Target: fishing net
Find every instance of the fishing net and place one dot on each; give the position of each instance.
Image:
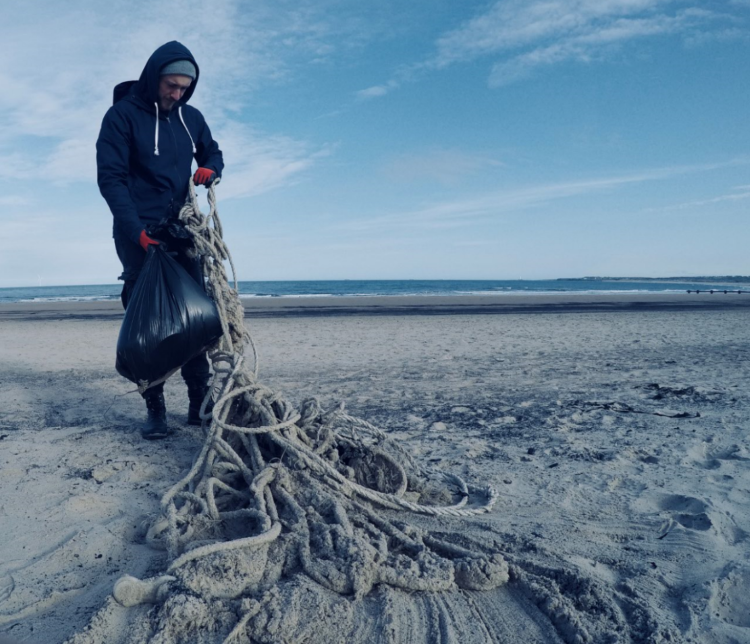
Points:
(286, 499)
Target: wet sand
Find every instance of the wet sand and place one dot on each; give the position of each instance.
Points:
(412, 305)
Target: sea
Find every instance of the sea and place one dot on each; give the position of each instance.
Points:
(358, 288)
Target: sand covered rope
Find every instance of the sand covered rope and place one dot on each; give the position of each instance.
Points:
(279, 492)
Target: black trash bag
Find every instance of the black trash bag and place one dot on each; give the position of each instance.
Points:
(169, 321)
(173, 232)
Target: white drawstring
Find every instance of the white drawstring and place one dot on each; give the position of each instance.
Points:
(179, 111)
(156, 134)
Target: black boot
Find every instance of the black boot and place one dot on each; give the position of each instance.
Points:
(156, 423)
(197, 390)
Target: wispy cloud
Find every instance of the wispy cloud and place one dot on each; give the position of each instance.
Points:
(260, 162)
(512, 25)
(55, 93)
(740, 193)
(520, 37)
(453, 214)
(14, 200)
(377, 90)
(446, 166)
(594, 41)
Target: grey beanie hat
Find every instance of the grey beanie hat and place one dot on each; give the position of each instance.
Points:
(182, 67)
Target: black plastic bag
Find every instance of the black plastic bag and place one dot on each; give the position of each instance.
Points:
(172, 231)
(169, 321)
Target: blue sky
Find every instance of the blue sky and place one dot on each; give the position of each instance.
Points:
(394, 140)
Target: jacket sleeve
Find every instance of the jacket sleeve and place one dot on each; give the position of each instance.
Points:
(207, 152)
(113, 167)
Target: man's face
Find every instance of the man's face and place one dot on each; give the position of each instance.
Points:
(171, 89)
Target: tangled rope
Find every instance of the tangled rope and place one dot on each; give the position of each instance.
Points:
(278, 490)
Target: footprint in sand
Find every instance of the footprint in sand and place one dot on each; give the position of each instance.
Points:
(689, 512)
(730, 600)
(694, 521)
(680, 503)
(711, 456)
(699, 516)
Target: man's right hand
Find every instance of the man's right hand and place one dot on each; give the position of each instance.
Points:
(145, 241)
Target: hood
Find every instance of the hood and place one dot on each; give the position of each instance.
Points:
(147, 86)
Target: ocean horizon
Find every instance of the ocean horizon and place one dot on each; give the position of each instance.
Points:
(411, 288)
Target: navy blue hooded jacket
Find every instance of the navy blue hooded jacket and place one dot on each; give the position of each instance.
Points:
(144, 155)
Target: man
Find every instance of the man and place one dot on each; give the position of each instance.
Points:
(144, 156)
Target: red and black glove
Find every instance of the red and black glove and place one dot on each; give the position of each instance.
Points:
(145, 241)
(204, 176)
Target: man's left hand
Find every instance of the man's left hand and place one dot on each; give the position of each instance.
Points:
(204, 176)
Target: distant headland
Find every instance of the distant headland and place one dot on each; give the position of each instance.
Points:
(701, 279)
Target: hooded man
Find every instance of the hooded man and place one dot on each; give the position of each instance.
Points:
(144, 156)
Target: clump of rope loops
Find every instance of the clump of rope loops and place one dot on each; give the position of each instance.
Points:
(277, 491)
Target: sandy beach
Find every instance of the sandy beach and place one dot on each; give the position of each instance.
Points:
(613, 427)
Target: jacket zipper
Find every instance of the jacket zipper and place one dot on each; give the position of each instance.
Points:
(176, 169)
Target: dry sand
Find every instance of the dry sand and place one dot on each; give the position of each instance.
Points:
(615, 430)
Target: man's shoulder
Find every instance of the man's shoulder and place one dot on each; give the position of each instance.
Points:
(193, 113)
(123, 110)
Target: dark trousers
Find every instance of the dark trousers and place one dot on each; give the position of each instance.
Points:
(195, 372)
